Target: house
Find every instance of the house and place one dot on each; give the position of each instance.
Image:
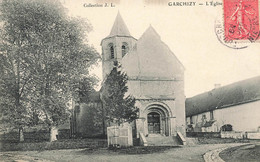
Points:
(234, 107)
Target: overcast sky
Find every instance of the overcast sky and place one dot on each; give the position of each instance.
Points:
(188, 31)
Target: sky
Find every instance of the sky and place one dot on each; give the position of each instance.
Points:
(189, 31)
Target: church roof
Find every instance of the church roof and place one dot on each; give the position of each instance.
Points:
(226, 96)
(151, 58)
(119, 28)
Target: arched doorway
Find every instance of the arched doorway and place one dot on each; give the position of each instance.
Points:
(226, 127)
(157, 119)
(153, 123)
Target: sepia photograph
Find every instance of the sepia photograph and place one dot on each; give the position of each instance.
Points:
(139, 80)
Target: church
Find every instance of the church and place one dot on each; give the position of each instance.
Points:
(155, 79)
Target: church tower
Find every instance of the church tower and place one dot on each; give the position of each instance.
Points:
(116, 45)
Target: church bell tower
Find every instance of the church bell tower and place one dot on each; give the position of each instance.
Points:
(116, 45)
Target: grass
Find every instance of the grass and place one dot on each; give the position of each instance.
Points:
(207, 140)
(241, 153)
(60, 144)
(128, 150)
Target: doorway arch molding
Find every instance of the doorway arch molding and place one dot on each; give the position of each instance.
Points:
(165, 114)
(158, 105)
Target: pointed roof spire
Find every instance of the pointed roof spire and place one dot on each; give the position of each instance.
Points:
(119, 28)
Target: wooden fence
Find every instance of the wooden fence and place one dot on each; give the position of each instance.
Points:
(119, 136)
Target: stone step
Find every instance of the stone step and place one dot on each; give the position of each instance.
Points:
(192, 141)
(159, 140)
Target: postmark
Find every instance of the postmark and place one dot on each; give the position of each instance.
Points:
(220, 33)
(241, 20)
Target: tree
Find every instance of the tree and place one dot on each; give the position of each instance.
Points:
(43, 58)
(86, 88)
(116, 104)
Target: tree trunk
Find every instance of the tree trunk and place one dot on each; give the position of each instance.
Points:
(103, 127)
(53, 133)
(17, 99)
(21, 135)
(103, 120)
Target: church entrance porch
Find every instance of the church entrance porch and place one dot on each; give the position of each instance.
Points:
(157, 120)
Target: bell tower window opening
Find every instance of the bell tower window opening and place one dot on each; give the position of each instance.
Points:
(112, 54)
(124, 49)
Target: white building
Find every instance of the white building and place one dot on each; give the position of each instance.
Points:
(233, 107)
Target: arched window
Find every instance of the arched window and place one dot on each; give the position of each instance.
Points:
(124, 49)
(111, 49)
(112, 52)
(226, 127)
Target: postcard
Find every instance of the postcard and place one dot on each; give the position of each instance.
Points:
(151, 80)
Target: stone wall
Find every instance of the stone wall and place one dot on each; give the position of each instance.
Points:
(29, 136)
(253, 135)
(243, 117)
(204, 134)
(233, 134)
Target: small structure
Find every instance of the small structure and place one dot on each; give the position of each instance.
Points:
(120, 136)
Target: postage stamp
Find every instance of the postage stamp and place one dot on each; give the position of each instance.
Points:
(241, 20)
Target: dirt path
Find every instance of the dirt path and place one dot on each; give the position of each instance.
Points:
(19, 157)
(181, 154)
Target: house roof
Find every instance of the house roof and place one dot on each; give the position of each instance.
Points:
(119, 28)
(151, 58)
(226, 96)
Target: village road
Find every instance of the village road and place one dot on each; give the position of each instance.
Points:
(181, 154)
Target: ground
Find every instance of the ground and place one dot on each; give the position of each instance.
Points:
(179, 154)
(244, 153)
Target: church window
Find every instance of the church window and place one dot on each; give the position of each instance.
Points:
(124, 49)
(111, 48)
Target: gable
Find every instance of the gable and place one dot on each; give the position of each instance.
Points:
(152, 59)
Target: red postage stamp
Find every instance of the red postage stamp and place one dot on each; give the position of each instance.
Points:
(241, 20)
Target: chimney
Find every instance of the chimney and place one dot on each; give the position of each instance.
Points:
(217, 86)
